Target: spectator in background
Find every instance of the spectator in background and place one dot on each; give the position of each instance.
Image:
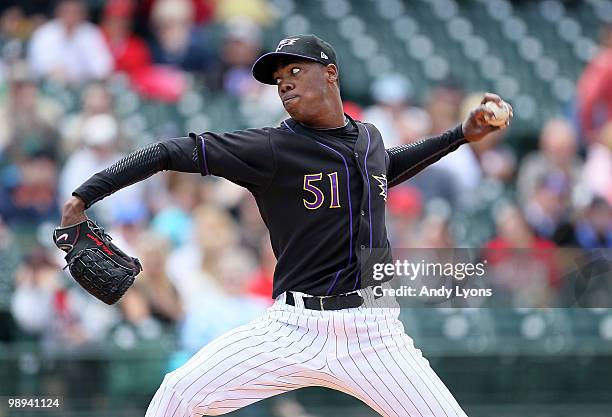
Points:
(239, 50)
(191, 266)
(548, 209)
(594, 227)
(36, 285)
(204, 10)
(129, 221)
(130, 53)
(519, 261)
(514, 232)
(14, 30)
(68, 49)
(27, 120)
(557, 155)
(39, 9)
(405, 206)
(259, 284)
(252, 228)
(177, 41)
(100, 137)
(399, 122)
(594, 92)
(498, 164)
(597, 173)
(95, 100)
(257, 10)
(445, 105)
(230, 306)
(434, 232)
(437, 184)
(152, 304)
(173, 207)
(28, 194)
(153, 284)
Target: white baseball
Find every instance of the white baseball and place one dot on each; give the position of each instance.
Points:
(501, 113)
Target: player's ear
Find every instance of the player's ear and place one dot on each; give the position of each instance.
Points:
(332, 73)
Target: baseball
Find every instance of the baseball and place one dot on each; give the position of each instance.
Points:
(501, 113)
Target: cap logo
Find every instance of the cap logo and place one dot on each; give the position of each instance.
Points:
(285, 42)
(323, 55)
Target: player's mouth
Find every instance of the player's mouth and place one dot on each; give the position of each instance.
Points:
(288, 99)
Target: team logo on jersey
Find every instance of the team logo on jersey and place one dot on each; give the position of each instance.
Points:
(382, 183)
(285, 42)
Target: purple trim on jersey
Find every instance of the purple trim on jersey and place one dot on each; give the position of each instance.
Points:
(329, 290)
(203, 145)
(287, 126)
(356, 280)
(365, 165)
(348, 190)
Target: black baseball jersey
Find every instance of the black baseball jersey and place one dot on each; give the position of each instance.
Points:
(320, 192)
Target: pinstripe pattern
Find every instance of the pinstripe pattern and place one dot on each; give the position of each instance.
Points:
(339, 369)
(363, 352)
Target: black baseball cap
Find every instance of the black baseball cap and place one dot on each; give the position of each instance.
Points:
(309, 47)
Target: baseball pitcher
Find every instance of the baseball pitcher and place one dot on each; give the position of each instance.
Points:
(320, 180)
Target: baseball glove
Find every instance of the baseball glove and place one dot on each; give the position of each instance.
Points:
(94, 262)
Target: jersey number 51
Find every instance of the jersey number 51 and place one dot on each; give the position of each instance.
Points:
(319, 197)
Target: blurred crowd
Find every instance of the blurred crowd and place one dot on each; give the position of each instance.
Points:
(206, 254)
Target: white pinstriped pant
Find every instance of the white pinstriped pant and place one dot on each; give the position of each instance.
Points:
(363, 352)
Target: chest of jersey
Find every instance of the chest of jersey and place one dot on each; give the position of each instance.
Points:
(323, 177)
(328, 193)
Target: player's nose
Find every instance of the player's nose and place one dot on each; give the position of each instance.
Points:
(285, 86)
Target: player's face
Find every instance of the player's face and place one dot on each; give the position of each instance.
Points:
(302, 87)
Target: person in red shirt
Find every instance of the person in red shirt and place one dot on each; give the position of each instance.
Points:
(260, 283)
(517, 248)
(595, 89)
(204, 10)
(131, 54)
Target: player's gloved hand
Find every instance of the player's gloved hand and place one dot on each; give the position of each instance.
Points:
(476, 126)
(99, 266)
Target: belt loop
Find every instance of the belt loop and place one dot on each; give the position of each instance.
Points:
(298, 298)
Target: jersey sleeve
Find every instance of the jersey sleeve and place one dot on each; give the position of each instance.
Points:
(406, 161)
(244, 157)
(178, 154)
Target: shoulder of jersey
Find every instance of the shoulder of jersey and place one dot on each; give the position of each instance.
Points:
(368, 124)
(283, 124)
